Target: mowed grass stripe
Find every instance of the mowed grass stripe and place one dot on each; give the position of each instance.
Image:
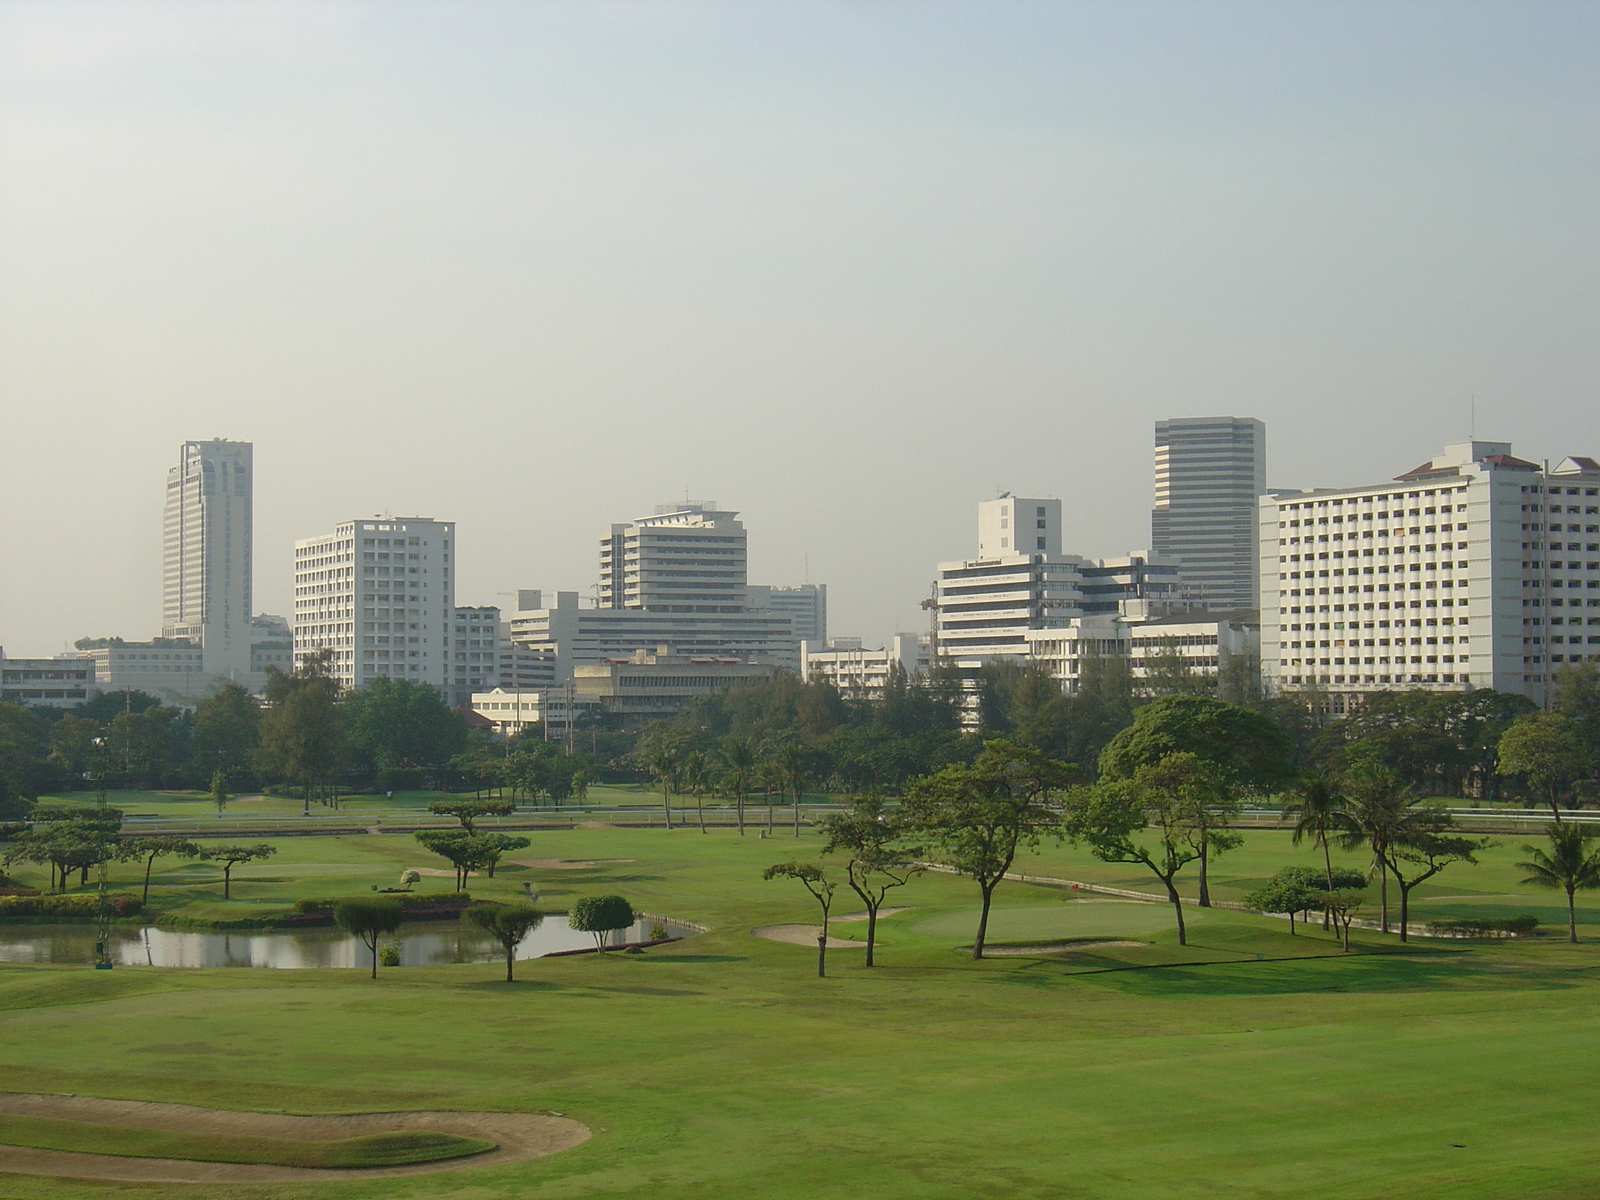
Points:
(402, 1147)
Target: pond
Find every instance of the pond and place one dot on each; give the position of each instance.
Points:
(425, 943)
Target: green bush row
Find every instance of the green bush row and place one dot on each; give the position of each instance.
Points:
(419, 900)
(1518, 926)
(80, 905)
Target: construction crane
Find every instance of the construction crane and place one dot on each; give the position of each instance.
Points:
(932, 605)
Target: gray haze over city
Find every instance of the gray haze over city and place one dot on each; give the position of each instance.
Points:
(847, 268)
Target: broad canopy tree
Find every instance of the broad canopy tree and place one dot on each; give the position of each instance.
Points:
(232, 856)
(508, 924)
(978, 817)
(1569, 865)
(871, 838)
(816, 881)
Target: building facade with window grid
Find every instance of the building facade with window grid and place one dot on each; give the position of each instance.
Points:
(1476, 569)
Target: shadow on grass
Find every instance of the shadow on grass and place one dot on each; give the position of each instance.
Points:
(1380, 972)
(517, 985)
(689, 958)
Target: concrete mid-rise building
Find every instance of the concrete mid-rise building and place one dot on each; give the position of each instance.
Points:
(1212, 646)
(379, 595)
(687, 558)
(1209, 472)
(171, 669)
(1477, 569)
(805, 604)
(649, 685)
(515, 710)
(64, 682)
(206, 550)
(474, 653)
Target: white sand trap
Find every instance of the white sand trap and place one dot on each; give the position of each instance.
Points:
(882, 912)
(440, 872)
(802, 935)
(566, 864)
(517, 1136)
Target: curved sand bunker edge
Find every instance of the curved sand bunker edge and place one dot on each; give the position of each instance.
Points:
(803, 935)
(516, 1135)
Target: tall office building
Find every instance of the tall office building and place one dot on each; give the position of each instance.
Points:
(379, 594)
(1475, 570)
(206, 548)
(1209, 471)
(805, 603)
(686, 558)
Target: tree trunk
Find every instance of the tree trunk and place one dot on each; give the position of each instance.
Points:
(1291, 924)
(666, 804)
(1572, 918)
(1383, 894)
(1405, 906)
(148, 863)
(872, 929)
(738, 803)
(983, 919)
(511, 957)
(227, 884)
(700, 803)
(1177, 908)
(1205, 890)
(769, 812)
(1327, 866)
(822, 951)
(1346, 926)
(798, 794)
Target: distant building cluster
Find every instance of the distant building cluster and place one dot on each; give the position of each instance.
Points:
(1476, 569)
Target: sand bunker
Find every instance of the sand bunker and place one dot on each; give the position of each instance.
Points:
(882, 912)
(516, 1135)
(565, 864)
(802, 935)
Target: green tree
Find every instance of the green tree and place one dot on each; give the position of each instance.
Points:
(232, 856)
(145, 748)
(456, 845)
(739, 762)
(1569, 865)
(980, 816)
(369, 920)
(600, 915)
(508, 924)
(665, 761)
(821, 888)
(1281, 895)
(303, 734)
(227, 732)
(1165, 798)
(1315, 803)
(1373, 815)
(1425, 848)
(219, 790)
(150, 848)
(695, 775)
(871, 837)
(1544, 748)
(402, 723)
(491, 847)
(72, 745)
(1247, 748)
(469, 811)
(1343, 904)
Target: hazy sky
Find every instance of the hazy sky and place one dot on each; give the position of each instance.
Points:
(845, 267)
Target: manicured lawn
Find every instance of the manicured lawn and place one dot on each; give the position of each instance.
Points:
(721, 1067)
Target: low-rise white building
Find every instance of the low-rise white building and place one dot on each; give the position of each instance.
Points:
(513, 710)
(859, 673)
(649, 685)
(64, 682)
(1207, 643)
(1475, 570)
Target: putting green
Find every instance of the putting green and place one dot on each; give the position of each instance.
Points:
(1067, 919)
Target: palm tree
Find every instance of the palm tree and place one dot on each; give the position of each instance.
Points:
(1373, 815)
(791, 759)
(665, 763)
(740, 759)
(694, 774)
(1569, 865)
(1316, 807)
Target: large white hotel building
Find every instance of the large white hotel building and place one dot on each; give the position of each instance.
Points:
(1475, 570)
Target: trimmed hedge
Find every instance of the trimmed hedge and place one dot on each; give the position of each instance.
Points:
(80, 906)
(411, 900)
(1486, 927)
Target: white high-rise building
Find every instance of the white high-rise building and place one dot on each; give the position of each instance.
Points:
(474, 646)
(1475, 570)
(687, 558)
(379, 594)
(1209, 471)
(206, 551)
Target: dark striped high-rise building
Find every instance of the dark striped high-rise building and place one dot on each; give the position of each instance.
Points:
(1209, 472)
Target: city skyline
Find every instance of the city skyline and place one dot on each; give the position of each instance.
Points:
(850, 269)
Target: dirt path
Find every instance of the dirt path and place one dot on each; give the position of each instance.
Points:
(802, 935)
(517, 1135)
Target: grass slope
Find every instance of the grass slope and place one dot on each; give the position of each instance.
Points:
(400, 1148)
(721, 1067)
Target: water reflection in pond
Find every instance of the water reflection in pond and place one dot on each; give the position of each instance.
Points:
(428, 943)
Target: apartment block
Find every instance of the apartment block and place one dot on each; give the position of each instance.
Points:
(1475, 569)
(47, 682)
(379, 594)
(859, 673)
